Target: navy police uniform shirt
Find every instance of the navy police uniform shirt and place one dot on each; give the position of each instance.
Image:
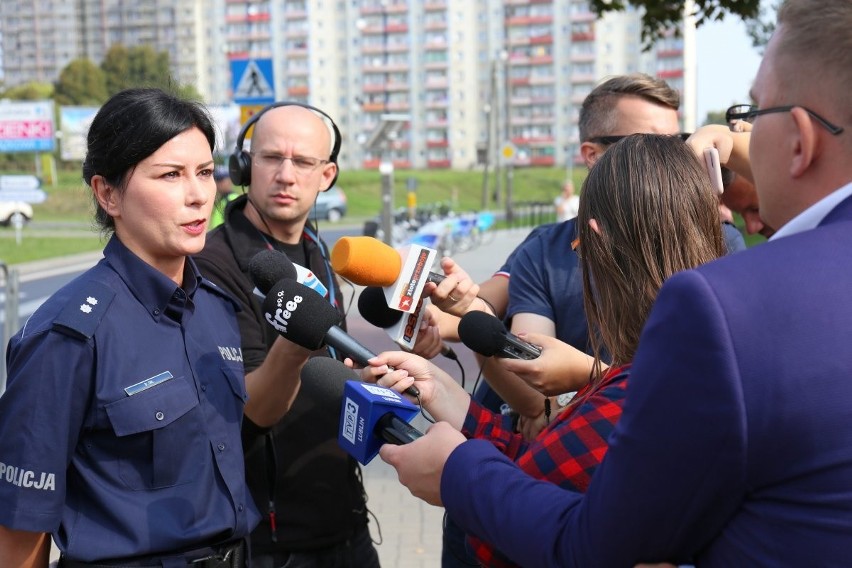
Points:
(121, 421)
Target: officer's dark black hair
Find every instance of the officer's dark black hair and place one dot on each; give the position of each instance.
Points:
(131, 126)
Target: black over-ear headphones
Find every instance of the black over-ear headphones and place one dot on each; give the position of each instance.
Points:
(239, 163)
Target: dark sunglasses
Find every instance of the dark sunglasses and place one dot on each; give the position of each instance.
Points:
(749, 112)
(613, 139)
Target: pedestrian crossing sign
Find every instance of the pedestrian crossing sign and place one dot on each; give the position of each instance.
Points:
(252, 81)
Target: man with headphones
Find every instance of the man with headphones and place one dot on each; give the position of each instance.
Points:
(310, 490)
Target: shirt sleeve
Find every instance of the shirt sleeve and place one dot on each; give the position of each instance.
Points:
(674, 473)
(528, 284)
(42, 412)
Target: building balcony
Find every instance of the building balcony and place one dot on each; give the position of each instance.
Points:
(439, 164)
(542, 39)
(582, 36)
(433, 5)
(528, 20)
(398, 106)
(436, 104)
(402, 164)
(584, 17)
(437, 143)
(437, 83)
(299, 91)
(373, 88)
(532, 140)
(670, 53)
(541, 60)
(373, 107)
(670, 74)
(372, 164)
(543, 161)
(436, 65)
(435, 26)
(582, 57)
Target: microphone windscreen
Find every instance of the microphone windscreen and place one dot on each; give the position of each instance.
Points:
(325, 379)
(482, 333)
(373, 307)
(268, 267)
(299, 314)
(366, 261)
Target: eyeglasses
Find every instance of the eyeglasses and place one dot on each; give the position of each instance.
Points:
(302, 164)
(749, 112)
(607, 140)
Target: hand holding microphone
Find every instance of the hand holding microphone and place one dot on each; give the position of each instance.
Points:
(486, 335)
(404, 329)
(303, 317)
(370, 416)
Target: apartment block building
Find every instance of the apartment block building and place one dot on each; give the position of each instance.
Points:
(419, 83)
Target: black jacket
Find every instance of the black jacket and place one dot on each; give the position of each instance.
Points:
(318, 495)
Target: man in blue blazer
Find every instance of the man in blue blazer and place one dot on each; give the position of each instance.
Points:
(735, 447)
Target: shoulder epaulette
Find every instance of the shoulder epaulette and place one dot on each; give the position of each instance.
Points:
(84, 311)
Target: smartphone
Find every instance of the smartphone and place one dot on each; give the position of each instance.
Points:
(714, 168)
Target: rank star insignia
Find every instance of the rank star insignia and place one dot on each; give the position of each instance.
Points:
(85, 308)
(92, 301)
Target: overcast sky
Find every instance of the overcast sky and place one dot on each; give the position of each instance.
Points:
(727, 64)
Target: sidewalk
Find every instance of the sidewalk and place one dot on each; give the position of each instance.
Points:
(409, 529)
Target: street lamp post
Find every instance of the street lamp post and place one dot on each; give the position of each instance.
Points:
(510, 170)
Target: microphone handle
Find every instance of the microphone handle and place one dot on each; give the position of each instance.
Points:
(515, 348)
(393, 430)
(348, 345)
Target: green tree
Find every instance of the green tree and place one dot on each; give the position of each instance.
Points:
(32, 91)
(116, 68)
(142, 66)
(761, 27)
(81, 83)
(660, 15)
(715, 117)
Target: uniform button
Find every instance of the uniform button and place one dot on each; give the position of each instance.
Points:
(221, 447)
(156, 312)
(159, 415)
(240, 508)
(204, 388)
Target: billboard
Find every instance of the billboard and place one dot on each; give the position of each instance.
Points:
(74, 125)
(26, 126)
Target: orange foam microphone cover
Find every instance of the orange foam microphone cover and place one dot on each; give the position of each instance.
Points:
(366, 261)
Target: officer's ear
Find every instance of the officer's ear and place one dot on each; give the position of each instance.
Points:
(106, 195)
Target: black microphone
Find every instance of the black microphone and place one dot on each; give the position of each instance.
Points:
(486, 335)
(370, 415)
(268, 267)
(300, 315)
(374, 308)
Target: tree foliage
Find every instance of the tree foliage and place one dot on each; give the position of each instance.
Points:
(81, 83)
(658, 16)
(32, 91)
(761, 27)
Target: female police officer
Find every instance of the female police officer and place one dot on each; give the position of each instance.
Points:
(120, 425)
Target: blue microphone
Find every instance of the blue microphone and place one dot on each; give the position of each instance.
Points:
(370, 415)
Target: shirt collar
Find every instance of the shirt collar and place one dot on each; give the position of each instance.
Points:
(149, 286)
(812, 216)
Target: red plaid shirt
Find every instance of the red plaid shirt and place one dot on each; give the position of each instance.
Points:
(566, 452)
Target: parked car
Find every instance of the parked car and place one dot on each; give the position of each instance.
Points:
(9, 208)
(330, 205)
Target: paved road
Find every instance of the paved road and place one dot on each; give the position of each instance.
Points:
(409, 529)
